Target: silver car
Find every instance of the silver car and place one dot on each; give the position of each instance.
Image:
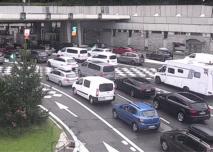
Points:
(132, 58)
(1, 58)
(62, 78)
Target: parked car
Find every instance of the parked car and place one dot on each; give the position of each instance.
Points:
(202, 131)
(162, 54)
(184, 105)
(92, 68)
(200, 57)
(60, 62)
(121, 50)
(139, 115)
(97, 51)
(135, 86)
(1, 58)
(132, 58)
(39, 56)
(183, 141)
(107, 57)
(62, 78)
(95, 89)
(79, 54)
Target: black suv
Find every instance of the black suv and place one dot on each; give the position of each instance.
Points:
(161, 55)
(184, 105)
(197, 139)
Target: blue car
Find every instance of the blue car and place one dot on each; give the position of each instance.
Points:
(140, 116)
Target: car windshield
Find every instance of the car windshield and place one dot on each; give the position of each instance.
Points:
(83, 51)
(108, 69)
(70, 60)
(106, 87)
(113, 57)
(148, 113)
(71, 75)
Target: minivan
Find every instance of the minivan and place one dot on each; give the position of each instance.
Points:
(97, 68)
(79, 54)
(95, 89)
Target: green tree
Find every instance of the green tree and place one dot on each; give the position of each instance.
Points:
(20, 95)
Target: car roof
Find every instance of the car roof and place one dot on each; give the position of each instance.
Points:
(65, 71)
(185, 98)
(106, 53)
(76, 48)
(142, 106)
(100, 63)
(98, 79)
(203, 128)
(65, 57)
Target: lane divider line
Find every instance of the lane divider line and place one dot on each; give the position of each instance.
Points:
(124, 142)
(132, 149)
(79, 145)
(166, 121)
(100, 118)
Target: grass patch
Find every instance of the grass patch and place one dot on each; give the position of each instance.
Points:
(41, 138)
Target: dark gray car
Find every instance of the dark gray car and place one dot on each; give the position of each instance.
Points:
(133, 58)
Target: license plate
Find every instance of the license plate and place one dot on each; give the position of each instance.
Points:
(203, 113)
(151, 127)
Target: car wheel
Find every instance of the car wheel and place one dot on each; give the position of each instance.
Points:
(91, 100)
(186, 89)
(157, 80)
(115, 114)
(134, 127)
(47, 78)
(60, 84)
(180, 116)
(74, 91)
(156, 104)
(132, 93)
(132, 62)
(164, 146)
(48, 64)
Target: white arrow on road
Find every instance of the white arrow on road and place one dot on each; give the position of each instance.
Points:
(61, 106)
(110, 148)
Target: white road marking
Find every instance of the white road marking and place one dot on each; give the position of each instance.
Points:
(47, 97)
(79, 146)
(57, 95)
(52, 92)
(109, 148)
(124, 142)
(63, 107)
(165, 120)
(125, 98)
(103, 120)
(132, 149)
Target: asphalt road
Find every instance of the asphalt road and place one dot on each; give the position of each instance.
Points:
(95, 126)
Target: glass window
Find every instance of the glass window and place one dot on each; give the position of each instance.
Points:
(128, 81)
(113, 57)
(108, 69)
(94, 67)
(163, 69)
(176, 99)
(105, 87)
(87, 83)
(63, 50)
(97, 50)
(149, 113)
(61, 74)
(132, 110)
(80, 81)
(61, 60)
(71, 75)
(180, 71)
(84, 64)
(72, 51)
(197, 74)
(70, 60)
(171, 70)
(190, 75)
(192, 56)
(83, 52)
(100, 56)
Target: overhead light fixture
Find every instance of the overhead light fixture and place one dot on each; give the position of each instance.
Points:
(156, 14)
(202, 15)
(178, 15)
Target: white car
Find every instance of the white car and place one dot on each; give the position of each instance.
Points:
(97, 51)
(108, 57)
(95, 89)
(79, 54)
(61, 62)
(62, 78)
(200, 57)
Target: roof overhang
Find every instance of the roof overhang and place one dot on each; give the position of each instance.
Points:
(58, 17)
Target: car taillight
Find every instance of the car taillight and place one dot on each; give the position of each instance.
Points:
(193, 112)
(97, 92)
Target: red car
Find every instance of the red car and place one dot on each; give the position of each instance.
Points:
(121, 50)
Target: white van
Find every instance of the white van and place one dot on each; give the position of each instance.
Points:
(200, 57)
(106, 57)
(191, 76)
(95, 89)
(80, 54)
